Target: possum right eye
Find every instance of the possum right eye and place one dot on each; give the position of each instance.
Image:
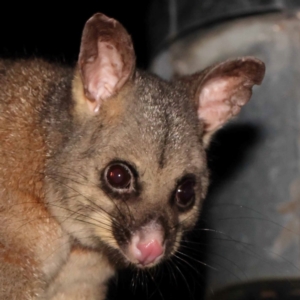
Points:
(119, 177)
(185, 193)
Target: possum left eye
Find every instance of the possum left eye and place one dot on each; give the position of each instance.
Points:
(185, 193)
(119, 176)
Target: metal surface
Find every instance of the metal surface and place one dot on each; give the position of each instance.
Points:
(262, 290)
(170, 19)
(254, 204)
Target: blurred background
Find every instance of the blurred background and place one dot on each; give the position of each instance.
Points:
(246, 244)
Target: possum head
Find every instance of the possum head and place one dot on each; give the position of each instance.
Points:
(133, 175)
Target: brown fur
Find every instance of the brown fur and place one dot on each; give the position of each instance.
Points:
(28, 233)
(63, 231)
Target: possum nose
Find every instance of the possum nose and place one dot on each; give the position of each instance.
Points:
(149, 251)
(146, 246)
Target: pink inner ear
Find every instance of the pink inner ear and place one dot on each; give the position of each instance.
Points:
(102, 74)
(219, 100)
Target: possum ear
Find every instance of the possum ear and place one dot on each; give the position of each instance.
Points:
(106, 59)
(220, 91)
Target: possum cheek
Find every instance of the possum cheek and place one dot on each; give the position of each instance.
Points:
(103, 228)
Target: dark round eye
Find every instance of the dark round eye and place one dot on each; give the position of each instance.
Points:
(119, 176)
(185, 193)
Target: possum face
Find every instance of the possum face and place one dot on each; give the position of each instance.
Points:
(133, 175)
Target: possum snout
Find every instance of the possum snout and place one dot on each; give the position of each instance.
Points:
(146, 246)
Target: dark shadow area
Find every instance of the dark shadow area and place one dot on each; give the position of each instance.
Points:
(228, 153)
(53, 32)
(230, 149)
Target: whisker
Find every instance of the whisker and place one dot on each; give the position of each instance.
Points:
(89, 181)
(198, 261)
(221, 256)
(90, 201)
(253, 253)
(184, 279)
(157, 287)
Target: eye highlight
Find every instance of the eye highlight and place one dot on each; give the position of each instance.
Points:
(119, 177)
(185, 193)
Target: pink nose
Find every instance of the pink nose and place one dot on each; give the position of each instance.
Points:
(149, 251)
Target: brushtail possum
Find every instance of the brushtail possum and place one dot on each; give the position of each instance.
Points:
(103, 165)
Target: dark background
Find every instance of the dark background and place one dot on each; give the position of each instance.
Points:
(53, 31)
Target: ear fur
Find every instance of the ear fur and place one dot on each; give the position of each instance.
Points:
(106, 59)
(220, 91)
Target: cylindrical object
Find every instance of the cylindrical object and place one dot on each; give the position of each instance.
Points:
(173, 20)
(254, 203)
